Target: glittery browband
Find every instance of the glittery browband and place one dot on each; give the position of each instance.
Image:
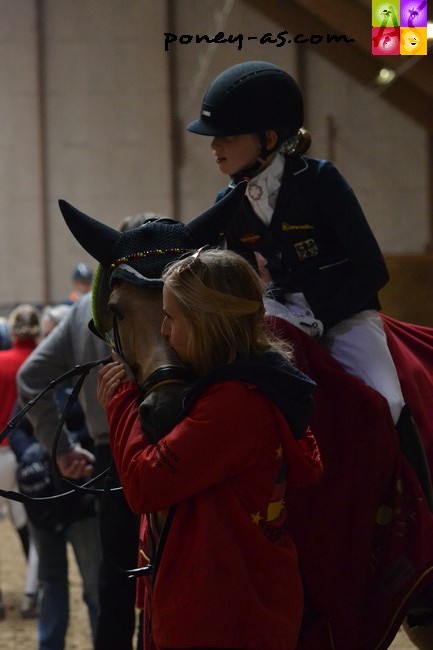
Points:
(156, 251)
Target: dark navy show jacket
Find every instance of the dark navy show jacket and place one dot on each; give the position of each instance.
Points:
(318, 241)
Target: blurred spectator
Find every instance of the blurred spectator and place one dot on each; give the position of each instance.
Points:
(24, 331)
(5, 339)
(51, 316)
(81, 279)
(55, 524)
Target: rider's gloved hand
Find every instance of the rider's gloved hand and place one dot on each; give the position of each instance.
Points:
(308, 324)
(303, 321)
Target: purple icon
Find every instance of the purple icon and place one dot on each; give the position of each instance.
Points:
(413, 13)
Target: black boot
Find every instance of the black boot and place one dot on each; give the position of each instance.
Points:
(413, 450)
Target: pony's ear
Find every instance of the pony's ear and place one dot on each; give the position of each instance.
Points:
(95, 237)
(208, 227)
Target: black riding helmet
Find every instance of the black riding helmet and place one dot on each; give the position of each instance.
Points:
(250, 97)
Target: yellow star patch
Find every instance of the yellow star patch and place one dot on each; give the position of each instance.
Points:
(257, 517)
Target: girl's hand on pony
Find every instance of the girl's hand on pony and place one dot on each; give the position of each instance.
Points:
(110, 376)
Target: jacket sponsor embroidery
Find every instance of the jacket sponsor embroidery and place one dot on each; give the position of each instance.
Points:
(285, 227)
(249, 238)
(307, 248)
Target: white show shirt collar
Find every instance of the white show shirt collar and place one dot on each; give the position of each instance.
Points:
(262, 190)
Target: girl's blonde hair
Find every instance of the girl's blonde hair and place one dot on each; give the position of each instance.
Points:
(221, 297)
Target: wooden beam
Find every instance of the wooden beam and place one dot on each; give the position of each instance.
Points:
(352, 58)
(341, 15)
(429, 248)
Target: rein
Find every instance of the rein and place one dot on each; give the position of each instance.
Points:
(162, 376)
(81, 370)
(167, 374)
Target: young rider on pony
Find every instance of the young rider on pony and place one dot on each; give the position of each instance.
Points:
(301, 221)
(302, 226)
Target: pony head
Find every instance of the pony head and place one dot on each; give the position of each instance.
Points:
(139, 256)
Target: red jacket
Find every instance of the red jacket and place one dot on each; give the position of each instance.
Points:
(10, 361)
(228, 574)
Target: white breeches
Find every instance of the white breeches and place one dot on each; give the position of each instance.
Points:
(358, 344)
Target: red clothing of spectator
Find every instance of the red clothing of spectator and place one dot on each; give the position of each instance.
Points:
(10, 361)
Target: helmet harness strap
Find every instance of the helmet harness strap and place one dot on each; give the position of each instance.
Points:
(248, 173)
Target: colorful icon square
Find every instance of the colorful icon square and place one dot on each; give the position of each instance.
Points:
(413, 41)
(413, 14)
(385, 14)
(385, 41)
